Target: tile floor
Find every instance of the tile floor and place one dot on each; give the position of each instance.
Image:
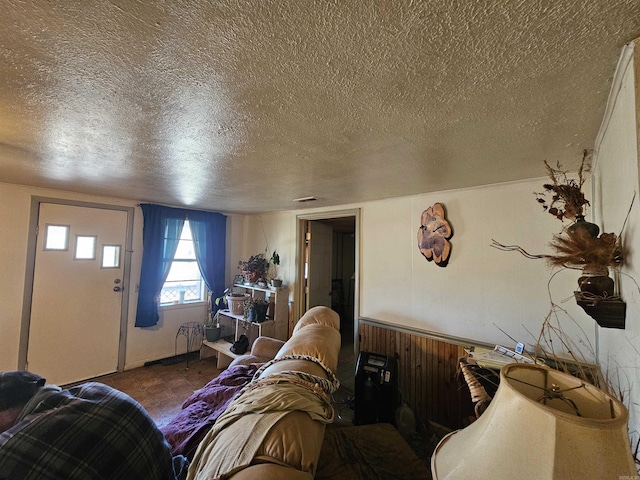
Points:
(162, 388)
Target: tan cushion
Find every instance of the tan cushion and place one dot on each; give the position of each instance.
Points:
(321, 315)
(270, 471)
(315, 340)
(266, 347)
(263, 350)
(295, 440)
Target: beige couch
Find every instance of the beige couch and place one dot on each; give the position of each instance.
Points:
(275, 428)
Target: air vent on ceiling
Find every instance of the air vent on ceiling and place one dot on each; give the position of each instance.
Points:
(305, 199)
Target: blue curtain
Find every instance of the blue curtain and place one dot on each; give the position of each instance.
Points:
(209, 232)
(160, 236)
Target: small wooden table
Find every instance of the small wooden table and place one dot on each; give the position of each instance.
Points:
(221, 349)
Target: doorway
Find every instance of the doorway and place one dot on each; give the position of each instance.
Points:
(328, 249)
(76, 291)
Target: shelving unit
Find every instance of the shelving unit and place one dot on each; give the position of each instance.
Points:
(278, 310)
(276, 325)
(221, 349)
(235, 325)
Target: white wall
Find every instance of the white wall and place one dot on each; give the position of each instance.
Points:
(482, 290)
(264, 234)
(616, 174)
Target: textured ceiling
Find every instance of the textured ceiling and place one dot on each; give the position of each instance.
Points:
(242, 106)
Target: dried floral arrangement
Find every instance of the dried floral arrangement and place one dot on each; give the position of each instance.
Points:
(567, 199)
(577, 249)
(574, 247)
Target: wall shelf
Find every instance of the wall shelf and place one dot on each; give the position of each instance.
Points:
(608, 313)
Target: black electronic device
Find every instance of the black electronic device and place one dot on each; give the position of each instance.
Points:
(376, 389)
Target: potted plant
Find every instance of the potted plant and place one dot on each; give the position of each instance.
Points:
(255, 309)
(236, 301)
(212, 328)
(255, 268)
(275, 261)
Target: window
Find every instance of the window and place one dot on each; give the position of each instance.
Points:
(161, 233)
(85, 247)
(111, 256)
(184, 283)
(56, 237)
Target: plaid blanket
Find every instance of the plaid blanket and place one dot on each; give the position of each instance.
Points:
(88, 432)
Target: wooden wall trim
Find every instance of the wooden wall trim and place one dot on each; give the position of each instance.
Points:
(466, 342)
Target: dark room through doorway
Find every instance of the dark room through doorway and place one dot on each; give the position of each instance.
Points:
(338, 280)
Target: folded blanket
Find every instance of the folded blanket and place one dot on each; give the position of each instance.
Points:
(200, 411)
(89, 431)
(253, 413)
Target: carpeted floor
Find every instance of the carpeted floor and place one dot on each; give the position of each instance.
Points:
(370, 452)
(397, 453)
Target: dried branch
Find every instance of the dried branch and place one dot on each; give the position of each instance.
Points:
(515, 248)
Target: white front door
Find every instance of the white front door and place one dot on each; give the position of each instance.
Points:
(74, 328)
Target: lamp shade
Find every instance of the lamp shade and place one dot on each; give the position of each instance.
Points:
(541, 424)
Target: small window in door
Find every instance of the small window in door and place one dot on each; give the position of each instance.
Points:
(56, 237)
(85, 247)
(111, 256)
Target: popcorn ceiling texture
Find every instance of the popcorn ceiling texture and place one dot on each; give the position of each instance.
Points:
(243, 106)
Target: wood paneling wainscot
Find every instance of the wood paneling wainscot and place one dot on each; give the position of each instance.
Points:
(427, 366)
